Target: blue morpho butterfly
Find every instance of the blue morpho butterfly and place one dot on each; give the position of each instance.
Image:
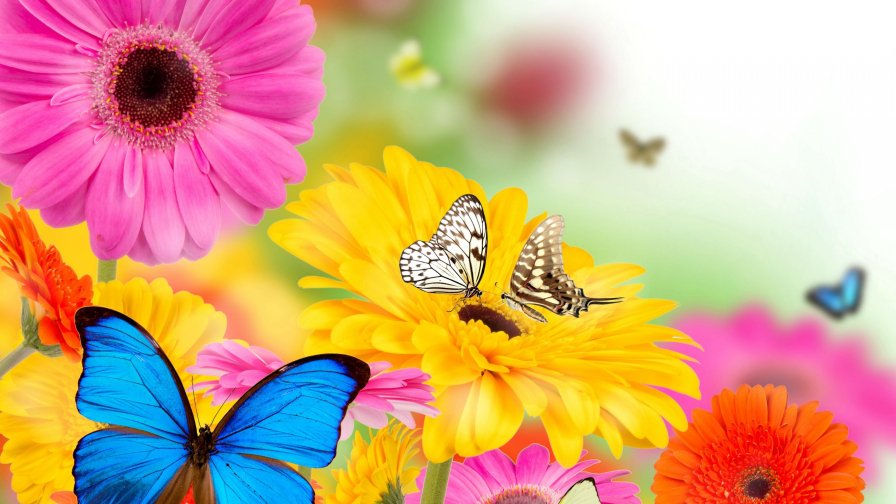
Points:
(839, 300)
(152, 452)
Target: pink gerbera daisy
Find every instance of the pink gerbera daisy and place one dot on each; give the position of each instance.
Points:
(239, 367)
(155, 121)
(752, 348)
(493, 478)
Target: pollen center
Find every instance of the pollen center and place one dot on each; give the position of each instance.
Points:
(494, 319)
(155, 87)
(520, 495)
(757, 484)
(758, 488)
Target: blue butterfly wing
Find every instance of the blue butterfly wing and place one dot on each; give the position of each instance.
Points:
(239, 479)
(122, 466)
(842, 299)
(127, 380)
(851, 288)
(294, 413)
(829, 300)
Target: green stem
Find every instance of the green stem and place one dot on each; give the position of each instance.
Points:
(436, 482)
(106, 270)
(13, 358)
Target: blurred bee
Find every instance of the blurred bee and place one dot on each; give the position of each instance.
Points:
(638, 152)
(409, 69)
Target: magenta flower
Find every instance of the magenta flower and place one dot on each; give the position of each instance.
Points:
(398, 393)
(238, 367)
(155, 121)
(752, 348)
(493, 477)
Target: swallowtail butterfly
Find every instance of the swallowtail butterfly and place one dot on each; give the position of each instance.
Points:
(452, 261)
(539, 279)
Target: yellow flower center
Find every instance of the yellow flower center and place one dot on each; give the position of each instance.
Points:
(521, 495)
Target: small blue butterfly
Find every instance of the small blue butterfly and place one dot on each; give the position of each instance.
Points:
(839, 300)
(152, 452)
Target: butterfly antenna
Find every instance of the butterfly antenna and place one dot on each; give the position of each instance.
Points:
(221, 407)
(195, 405)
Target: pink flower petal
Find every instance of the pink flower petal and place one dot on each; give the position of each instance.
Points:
(113, 217)
(28, 125)
(249, 158)
(267, 44)
(22, 87)
(65, 213)
(222, 19)
(85, 14)
(61, 168)
(236, 205)
(274, 95)
(496, 469)
(41, 10)
(41, 54)
(197, 199)
(163, 225)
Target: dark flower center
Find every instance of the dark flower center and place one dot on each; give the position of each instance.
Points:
(491, 318)
(758, 483)
(155, 87)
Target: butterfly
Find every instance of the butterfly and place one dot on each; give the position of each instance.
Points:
(583, 492)
(839, 300)
(539, 279)
(639, 152)
(408, 67)
(453, 260)
(151, 450)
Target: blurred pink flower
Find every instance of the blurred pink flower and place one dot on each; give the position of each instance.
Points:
(752, 348)
(398, 393)
(494, 477)
(155, 121)
(238, 367)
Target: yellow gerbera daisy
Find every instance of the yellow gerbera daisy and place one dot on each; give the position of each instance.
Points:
(377, 470)
(489, 364)
(37, 398)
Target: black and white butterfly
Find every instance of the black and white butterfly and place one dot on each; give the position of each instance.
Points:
(539, 279)
(641, 152)
(453, 260)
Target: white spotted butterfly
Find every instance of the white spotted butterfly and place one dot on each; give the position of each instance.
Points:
(452, 261)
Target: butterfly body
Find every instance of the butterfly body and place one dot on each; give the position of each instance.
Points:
(641, 152)
(839, 300)
(539, 278)
(153, 452)
(453, 260)
(583, 492)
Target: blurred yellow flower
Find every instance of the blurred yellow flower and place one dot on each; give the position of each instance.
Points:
(37, 398)
(377, 470)
(489, 364)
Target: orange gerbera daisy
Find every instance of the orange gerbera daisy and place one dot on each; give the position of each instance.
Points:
(754, 448)
(52, 288)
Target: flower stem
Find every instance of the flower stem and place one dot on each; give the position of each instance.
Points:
(436, 482)
(16, 356)
(106, 270)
